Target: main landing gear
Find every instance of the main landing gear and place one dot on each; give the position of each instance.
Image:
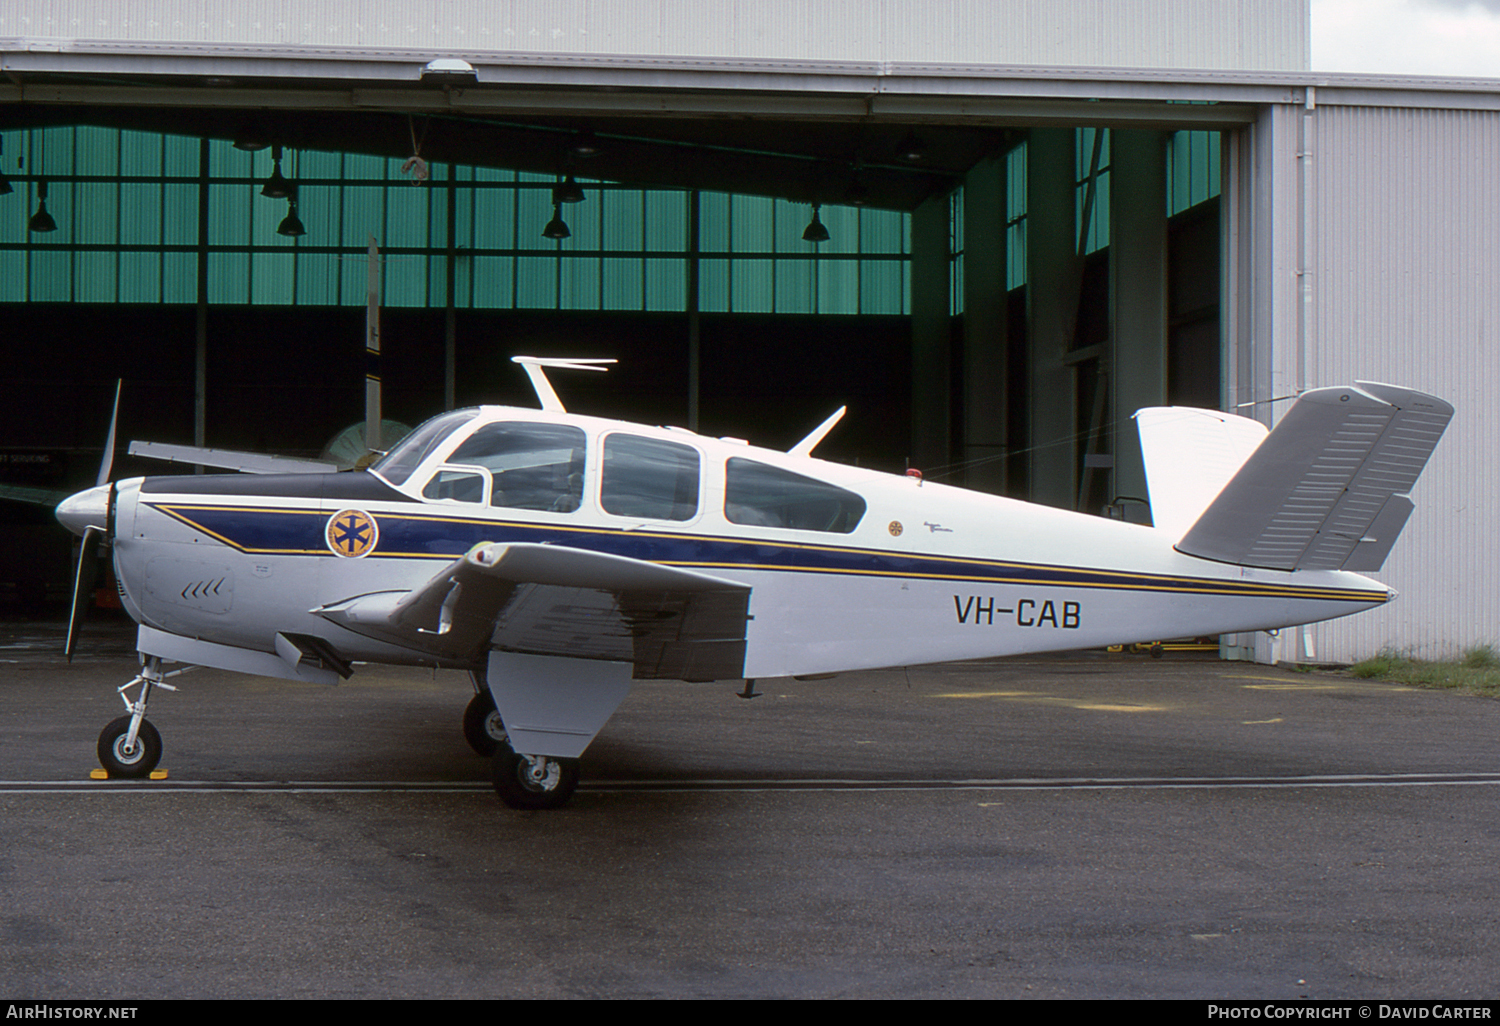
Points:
(521, 781)
(129, 746)
(533, 781)
(483, 728)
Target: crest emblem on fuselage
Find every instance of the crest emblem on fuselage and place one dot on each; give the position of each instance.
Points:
(352, 533)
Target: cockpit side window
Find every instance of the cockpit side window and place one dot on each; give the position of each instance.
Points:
(759, 495)
(456, 484)
(397, 465)
(649, 478)
(534, 466)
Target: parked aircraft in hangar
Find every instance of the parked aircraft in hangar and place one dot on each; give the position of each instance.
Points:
(558, 557)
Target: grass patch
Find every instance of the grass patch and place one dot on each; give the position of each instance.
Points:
(1476, 673)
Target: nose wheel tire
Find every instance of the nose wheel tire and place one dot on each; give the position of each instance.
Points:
(533, 781)
(131, 763)
(483, 728)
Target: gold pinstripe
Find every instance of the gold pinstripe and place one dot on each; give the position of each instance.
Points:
(1124, 580)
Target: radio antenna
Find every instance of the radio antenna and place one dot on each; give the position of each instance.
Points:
(544, 392)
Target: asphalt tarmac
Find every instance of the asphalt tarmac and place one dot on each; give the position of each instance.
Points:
(1091, 826)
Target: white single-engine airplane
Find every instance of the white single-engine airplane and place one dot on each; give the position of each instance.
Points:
(557, 557)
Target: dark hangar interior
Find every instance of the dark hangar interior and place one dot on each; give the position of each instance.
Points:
(755, 250)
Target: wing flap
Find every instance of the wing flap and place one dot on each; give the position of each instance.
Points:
(1318, 493)
(555, 600)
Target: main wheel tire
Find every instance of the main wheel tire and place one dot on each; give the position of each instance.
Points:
(533, 781)
(483, 728)
(136, 763)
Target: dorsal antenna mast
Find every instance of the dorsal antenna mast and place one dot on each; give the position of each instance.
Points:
(538, 376)
(805, 447)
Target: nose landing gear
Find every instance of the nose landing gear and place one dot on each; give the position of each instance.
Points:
(129, 746)
(122, 755)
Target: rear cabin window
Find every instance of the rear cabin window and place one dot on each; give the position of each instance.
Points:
(649, 478)
(763, 496)
(532, 466)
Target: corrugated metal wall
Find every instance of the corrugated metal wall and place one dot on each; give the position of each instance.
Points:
(1401, 220)
(1225, 34)
(1405, 210)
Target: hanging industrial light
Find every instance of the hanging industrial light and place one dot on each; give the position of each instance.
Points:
(556, 228)
(815, 232)
(291, 225)
(41, 221)
(567, 191)
(276, 187)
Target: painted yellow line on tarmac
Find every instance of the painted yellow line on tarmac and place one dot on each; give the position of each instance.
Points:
(995, 694)
(1296, 687)
(1101, 707)
(1072, 703)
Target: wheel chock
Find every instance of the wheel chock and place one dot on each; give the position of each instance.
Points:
(99, 773)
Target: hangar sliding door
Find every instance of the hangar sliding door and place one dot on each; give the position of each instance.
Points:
(1361, 243)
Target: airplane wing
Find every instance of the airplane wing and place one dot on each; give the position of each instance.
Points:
(345, 450)
(33, 495)
(229, 459)
(1327, 488)
(559, 601)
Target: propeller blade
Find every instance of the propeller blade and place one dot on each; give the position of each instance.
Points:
(107, 463)
(372, 350)
(84, 575)
(95, 539)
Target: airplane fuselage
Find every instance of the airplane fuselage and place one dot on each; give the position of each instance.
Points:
(848, 568)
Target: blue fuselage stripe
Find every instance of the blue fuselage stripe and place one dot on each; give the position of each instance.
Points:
(261, 530)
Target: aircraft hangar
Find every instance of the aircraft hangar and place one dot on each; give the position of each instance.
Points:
(994, 228)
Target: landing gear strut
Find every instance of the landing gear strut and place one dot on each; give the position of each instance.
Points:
(129, 746)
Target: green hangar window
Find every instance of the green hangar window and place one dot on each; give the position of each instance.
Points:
(141, 215)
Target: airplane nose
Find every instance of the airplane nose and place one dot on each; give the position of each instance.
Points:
(89, 508)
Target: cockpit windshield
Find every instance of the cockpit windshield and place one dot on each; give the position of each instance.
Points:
(397, 465)
(534, 466)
